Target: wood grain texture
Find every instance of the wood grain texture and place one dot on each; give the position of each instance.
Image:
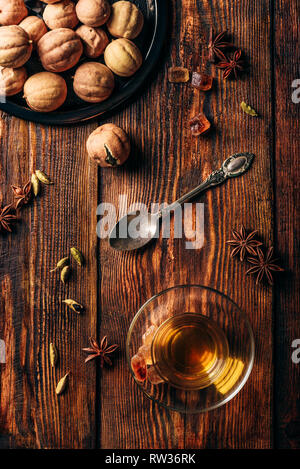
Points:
(168, 162)
(31, 310)
(104, 408)
(287, 190)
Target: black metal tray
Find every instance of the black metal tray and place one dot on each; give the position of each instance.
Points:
(74, 110)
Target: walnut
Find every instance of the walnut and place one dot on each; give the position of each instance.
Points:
(15, 46)
(108, 145)
(34, 27)
(93, 82)
(59, 49)
(94, 40)
(126, 20)
(93, 12)
(12, 12)
(60, 15)
(123, 57)
(45, 91)
(12, 80)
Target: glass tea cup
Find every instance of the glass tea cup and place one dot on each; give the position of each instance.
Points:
(184, 373)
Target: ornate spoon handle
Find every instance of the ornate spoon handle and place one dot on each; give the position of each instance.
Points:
(234, 166)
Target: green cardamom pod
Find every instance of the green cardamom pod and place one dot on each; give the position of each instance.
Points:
(61, 263)
(62, 384)
(78, 308)
(65, 273)
(42, 177)
(35, 184)
(53, 355)
(78, 256)
(248, 109)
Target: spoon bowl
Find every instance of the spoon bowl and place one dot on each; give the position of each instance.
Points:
(134, 230)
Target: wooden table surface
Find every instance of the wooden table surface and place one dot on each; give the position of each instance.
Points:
(105, 409)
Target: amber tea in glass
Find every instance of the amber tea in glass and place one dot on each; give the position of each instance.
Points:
(189, 351)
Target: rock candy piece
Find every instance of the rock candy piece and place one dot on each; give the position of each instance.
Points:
(139, 367)
(201, 81)
(199, 125)
(178, 75)
(145, 352)
(153, 376)
(149, 334)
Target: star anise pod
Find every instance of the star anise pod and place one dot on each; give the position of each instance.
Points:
(231, 64)
(244, 243)
(264, 265)
(216, 44)
(22, 194)
(101, 351)
(7, 218)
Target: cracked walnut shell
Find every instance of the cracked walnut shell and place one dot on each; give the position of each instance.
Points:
(94, 40)
(12, 80)
(108, 145)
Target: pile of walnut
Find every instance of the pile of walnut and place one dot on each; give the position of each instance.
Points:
(60, 47)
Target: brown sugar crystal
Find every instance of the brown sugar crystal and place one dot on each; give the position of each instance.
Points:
(201, 81)
(199, 125)
(178, 75)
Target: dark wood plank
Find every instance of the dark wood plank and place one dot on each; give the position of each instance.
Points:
(32, 314)
(287, 396)
(165, 162)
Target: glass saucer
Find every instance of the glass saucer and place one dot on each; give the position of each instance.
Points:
(226, 315)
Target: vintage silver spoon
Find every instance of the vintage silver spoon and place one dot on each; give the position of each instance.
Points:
(148, 224)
